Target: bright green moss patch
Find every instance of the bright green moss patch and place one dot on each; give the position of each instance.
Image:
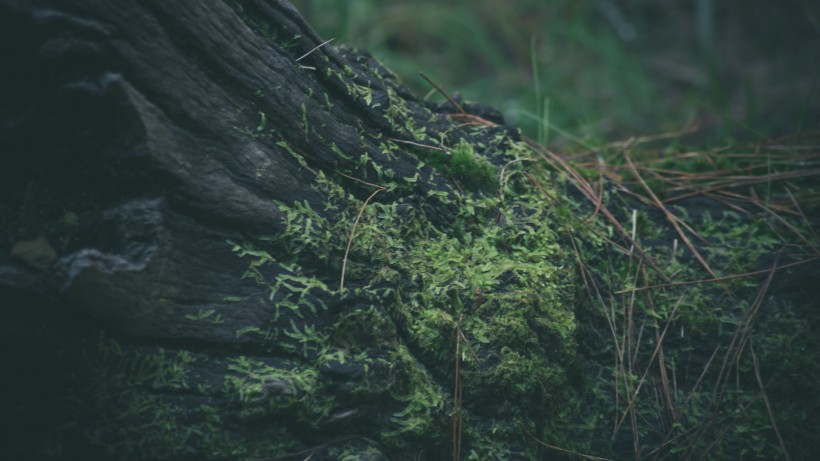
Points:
(474, 171)
(464, 165)
(496, 267)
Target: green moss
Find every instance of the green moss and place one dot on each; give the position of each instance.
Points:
(151, 404)
(464, 165)
(420, 400)
(473, 171)
(703, 378)
(423, 278)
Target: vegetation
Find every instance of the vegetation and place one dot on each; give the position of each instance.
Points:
(680, 311)
(680, 344)
(571, 70)
(592, 307)
(622, 300)
(625, 291)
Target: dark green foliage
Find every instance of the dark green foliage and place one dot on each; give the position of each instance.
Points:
(574, 71)
(685, 364)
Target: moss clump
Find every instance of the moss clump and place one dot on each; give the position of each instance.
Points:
(464, 165)
(472, 170)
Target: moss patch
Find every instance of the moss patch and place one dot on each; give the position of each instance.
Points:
(497, 266)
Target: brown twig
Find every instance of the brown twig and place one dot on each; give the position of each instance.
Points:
(800, 212)
(438, 88)
(562, 450)
(361, 181)
(740, 338)
(584, 187)
(457, 396)
(658, 345)
(671, 217)
(417, 144)
(353, 232)
(472, 119)
(716, 279)
(766, 401)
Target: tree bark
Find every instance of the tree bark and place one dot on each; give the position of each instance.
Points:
(162, 165)
(223, 238)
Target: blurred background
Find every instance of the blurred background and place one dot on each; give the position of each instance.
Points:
(581, 72)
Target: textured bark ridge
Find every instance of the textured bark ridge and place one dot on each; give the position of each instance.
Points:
(182, 181)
